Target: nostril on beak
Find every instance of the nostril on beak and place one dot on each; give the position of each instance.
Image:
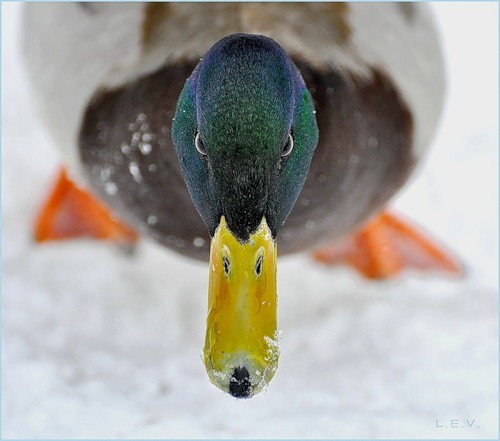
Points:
(239, 383)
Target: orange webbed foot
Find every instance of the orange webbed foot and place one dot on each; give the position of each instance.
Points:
(387, 245)
(72, 212)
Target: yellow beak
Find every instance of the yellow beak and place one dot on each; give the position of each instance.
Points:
(241, 346)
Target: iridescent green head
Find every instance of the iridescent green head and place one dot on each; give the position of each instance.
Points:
(245, 133)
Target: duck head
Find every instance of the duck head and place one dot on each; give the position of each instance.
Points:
(245, 133)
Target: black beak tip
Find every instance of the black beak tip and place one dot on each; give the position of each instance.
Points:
(239, 383)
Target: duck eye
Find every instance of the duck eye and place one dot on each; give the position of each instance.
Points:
(288, 147)
(198, 142)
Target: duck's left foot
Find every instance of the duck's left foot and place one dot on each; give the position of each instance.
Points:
(387, 245)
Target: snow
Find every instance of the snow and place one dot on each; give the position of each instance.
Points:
(100, 344)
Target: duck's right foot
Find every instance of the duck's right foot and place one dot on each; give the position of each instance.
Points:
(72, 212)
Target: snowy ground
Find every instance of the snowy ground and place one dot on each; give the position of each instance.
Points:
(98, 344)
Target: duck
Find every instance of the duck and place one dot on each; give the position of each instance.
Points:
(221, 130)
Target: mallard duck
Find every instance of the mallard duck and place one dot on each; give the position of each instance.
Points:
(220, 129)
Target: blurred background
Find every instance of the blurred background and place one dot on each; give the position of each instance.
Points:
(97, 344)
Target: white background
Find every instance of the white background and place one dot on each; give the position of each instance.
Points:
(99, 344)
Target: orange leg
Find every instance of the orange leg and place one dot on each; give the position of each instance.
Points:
(385, 246)
(72, 212)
